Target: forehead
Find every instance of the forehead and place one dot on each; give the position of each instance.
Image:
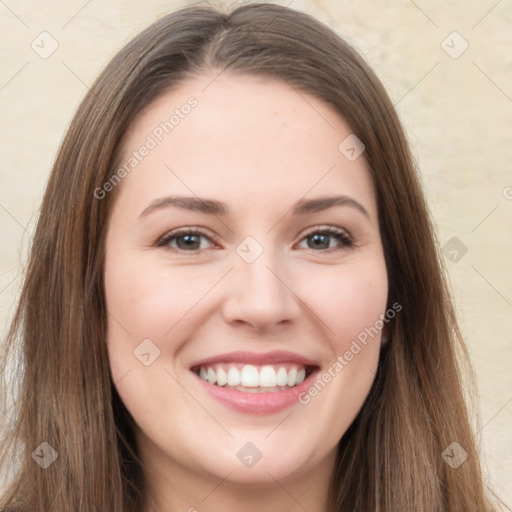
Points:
(245, 137)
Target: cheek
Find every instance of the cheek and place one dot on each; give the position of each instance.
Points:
(148, 308)
(348, 299)
(148, 301)
(159, 303)
(351, 302)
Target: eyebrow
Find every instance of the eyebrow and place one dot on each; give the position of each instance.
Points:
(213, 207)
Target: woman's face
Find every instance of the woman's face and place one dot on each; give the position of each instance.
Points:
(243, 248)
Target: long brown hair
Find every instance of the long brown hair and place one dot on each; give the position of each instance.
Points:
(390, 459)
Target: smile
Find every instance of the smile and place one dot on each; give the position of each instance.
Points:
(250, 378)
(255, 383)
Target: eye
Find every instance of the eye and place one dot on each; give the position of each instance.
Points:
(185, 240)
(189, 240)
(321, 238)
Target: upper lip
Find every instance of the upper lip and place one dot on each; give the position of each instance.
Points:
(256, 358)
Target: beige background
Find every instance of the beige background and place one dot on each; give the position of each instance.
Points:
(457, 111)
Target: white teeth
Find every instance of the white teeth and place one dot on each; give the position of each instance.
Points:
(281, 377)
(292, 377)
(267, 377)
(212, 376)
(222, 378)
(233, 377)
(249, 376)
(272, 378)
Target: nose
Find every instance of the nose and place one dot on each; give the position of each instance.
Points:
(260, 295)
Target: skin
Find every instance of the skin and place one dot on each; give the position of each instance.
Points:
(257, 145)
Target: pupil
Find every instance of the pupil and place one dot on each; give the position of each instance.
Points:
(189, 241)
(320, 238)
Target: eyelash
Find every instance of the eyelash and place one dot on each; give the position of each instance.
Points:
(346, 241)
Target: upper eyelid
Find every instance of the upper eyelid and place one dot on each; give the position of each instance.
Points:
(331, 229)
(185, 231)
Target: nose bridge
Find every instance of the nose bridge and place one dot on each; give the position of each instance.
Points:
(258, 293)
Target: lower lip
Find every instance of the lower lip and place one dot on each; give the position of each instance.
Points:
(257, 403)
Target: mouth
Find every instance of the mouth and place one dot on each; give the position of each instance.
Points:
(255, 383)
(250, 378)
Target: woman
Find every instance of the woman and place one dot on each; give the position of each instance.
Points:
(250, 366)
